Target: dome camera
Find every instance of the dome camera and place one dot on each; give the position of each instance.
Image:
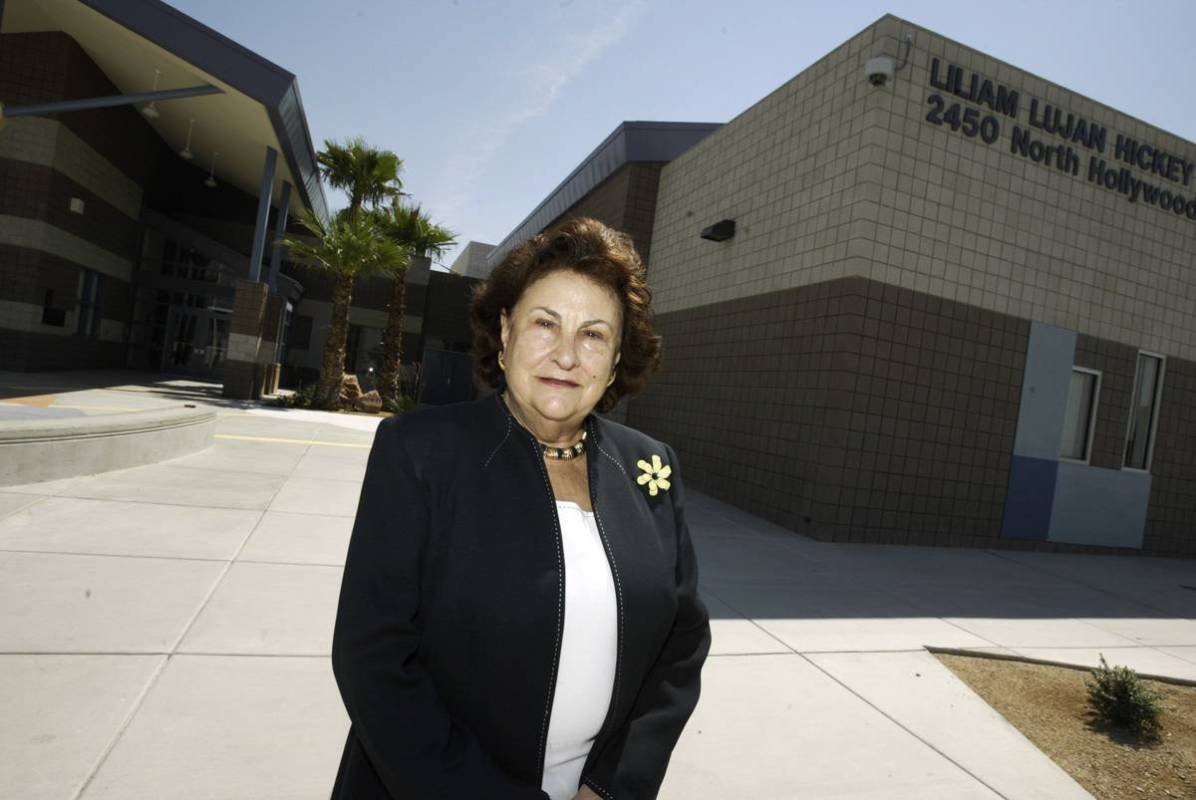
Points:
(879, 70)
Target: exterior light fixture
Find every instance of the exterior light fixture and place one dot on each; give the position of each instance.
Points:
(210, 181)
(150, 109)
(720, 231)
(186, 151)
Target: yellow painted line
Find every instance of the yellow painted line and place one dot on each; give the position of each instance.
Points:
(93, 408)
(288, 441)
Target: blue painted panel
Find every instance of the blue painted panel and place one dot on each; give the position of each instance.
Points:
(1093, 505)
(1050, 355)
(1028, 501)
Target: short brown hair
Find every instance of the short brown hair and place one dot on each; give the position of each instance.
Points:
(590, 248)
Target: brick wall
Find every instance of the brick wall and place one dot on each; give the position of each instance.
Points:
(41, 192)
(43, 67)
(25, 274)
(249, 308)
(856, 411)
(640, 213)
(24, 351)
(1172, 508)
(626, 201)
(46, 66)
(33, 67)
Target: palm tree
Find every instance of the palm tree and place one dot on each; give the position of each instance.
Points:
(414, 233)
(346, 248)
(368, 175)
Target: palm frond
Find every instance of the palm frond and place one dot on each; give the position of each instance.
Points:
(369, 175)
(344, 246)
(408, 225)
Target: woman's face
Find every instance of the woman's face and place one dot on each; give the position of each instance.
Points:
(560, 343)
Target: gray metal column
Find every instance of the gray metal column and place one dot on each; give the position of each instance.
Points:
(263, 214)
(280, 229)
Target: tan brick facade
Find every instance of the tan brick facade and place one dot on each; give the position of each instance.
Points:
(851, 364)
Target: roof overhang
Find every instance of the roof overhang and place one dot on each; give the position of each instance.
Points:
(260, 105)
(630, 142)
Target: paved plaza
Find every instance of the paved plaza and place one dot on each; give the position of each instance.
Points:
(166, 633)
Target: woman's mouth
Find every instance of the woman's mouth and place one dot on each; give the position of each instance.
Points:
(559, 384)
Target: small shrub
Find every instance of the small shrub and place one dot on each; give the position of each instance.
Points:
(1121, 699)
(405, 403)
(303, 397)
(283, 401)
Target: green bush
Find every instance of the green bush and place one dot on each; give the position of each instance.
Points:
(1121, 699)
(405, 403)
(302, 397)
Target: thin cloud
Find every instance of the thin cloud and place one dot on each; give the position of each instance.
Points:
(545, 83)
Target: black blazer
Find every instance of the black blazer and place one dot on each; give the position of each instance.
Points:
(449, 625)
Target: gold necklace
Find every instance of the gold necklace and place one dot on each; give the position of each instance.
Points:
(573, 451)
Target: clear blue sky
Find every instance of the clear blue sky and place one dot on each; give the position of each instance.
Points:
(492, 104)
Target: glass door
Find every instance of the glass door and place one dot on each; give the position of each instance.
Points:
(196, 341)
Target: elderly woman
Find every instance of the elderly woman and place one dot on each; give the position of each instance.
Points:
(519, 615)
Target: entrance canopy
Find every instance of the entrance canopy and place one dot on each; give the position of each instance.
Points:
(257, 106)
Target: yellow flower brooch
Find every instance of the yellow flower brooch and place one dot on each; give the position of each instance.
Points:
(655, 475)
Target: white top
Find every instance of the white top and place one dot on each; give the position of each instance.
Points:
(586, 675)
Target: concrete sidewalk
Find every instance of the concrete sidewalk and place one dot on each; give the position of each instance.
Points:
(165, 633)
(77, 393)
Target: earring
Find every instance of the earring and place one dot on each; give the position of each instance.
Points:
(501, 365)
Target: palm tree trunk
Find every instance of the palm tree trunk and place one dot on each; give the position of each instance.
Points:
(392, 343)
(332, 370)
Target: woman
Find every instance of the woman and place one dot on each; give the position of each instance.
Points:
(519, 614)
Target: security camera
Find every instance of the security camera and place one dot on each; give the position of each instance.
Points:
(879, 70)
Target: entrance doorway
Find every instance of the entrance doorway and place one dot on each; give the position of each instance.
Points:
(185, 292)
(196, 341)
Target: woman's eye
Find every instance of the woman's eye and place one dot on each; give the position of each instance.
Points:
(544, 323)
(594, 335)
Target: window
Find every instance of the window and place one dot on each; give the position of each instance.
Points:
(1080, 417)
(89, 304)
(1144, 411)
(50, 314)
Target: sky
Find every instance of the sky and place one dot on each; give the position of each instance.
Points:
(491, 104)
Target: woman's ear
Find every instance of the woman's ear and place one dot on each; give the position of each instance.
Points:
(503, 322)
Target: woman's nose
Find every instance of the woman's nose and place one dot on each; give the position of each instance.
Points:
(566, 352)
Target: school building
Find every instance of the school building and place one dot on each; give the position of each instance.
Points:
(917, 295)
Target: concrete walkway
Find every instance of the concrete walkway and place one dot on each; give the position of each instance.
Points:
(76, 393)
(165, 630)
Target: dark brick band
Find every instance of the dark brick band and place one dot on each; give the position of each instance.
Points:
(856, 411)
